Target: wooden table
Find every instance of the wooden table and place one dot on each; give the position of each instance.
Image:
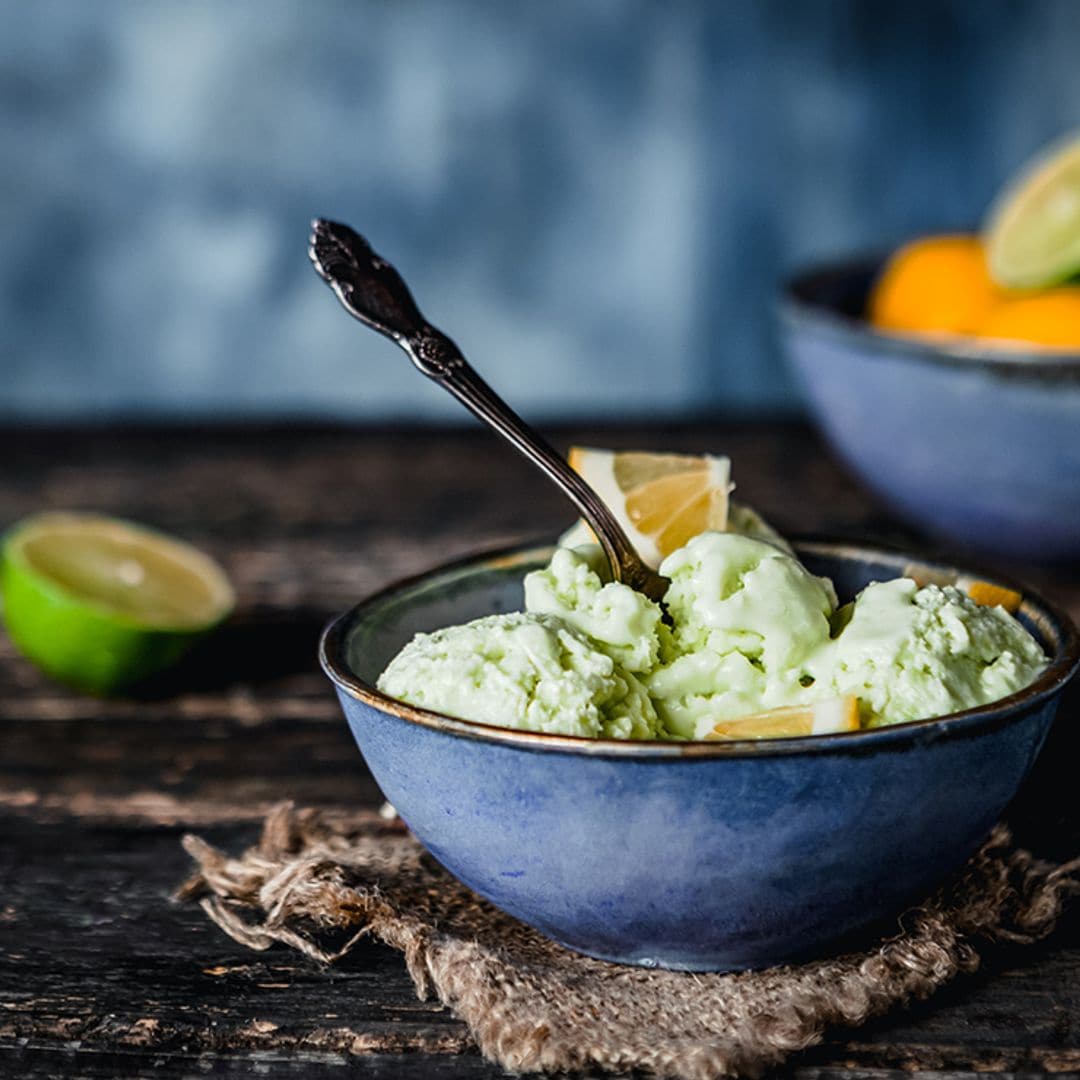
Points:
(102, 975)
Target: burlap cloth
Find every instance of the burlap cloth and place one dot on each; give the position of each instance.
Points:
(533, 1005)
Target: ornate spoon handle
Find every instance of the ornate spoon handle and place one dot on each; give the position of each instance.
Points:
(374, 292)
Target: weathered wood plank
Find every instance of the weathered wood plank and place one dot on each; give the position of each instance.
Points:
(184, 771)
(96, 960)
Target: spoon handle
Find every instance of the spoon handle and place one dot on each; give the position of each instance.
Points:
(374, 292)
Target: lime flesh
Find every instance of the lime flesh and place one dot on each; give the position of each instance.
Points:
(102, 604)
(1033, 230)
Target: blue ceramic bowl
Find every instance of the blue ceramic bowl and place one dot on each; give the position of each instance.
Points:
(702, 856)
(974, 444)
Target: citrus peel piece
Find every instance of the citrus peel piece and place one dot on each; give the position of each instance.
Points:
(822, 718)
(982, 592)
(661, 500)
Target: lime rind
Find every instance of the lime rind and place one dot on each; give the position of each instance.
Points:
(78, 645)
(1032, 233)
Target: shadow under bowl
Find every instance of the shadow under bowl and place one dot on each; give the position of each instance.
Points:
(975, 444)
(699, 856)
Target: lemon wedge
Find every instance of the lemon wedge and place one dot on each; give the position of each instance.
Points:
(823, 718)
(661, 500)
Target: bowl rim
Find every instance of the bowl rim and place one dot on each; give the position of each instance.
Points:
(796, 301)
(1062, 667)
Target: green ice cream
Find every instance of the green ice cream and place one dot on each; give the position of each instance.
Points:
(621, 622)
(748, 619)
(908, 653)
(752, 629)
(521, 671)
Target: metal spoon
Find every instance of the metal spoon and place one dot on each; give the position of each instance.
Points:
(373, 291)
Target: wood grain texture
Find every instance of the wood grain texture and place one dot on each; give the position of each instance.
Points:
(102, 975)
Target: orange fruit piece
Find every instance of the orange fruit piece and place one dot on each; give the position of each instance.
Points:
(933, 285)
(1050, 319)
(822, 718)
(982, 592)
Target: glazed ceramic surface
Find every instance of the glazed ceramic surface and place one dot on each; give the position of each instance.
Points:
(977, 445)
(702, 856)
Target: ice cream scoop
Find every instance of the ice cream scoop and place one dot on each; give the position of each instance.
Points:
(373, 291)
(531, 671)
(752, 630)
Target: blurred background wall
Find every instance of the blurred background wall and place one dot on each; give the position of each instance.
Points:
(596, 198)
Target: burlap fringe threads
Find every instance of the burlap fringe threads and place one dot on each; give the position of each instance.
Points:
(532, 1005)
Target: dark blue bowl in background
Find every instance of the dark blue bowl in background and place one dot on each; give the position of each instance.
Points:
(975, 444)
(699, 856)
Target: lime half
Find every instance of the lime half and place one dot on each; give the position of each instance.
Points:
(1033, 230)
(102, 604)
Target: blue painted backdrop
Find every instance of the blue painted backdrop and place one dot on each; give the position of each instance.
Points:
(595, 198)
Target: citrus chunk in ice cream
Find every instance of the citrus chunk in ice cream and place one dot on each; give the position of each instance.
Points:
(661, 500)
(821, 718)
(100, 603)
(982, 592)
